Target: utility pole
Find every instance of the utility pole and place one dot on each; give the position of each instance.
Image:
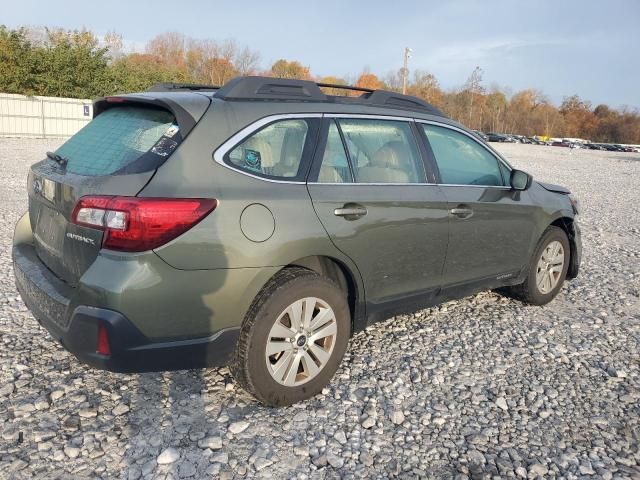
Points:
(405, 69)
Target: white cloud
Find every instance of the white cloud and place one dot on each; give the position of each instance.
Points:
(479, 51)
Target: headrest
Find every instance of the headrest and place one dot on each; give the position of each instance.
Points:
(390, 155)
(291, 149)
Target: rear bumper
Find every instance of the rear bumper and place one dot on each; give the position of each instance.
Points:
(76, 327)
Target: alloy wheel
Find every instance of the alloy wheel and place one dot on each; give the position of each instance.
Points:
(301, 341)
(550, 266)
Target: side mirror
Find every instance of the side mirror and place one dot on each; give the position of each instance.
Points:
(520, 180)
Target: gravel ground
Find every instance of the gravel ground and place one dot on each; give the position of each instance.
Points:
(483, 387)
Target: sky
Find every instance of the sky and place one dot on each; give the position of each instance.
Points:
(588, 47)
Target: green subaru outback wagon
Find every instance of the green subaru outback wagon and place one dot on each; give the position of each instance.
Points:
(260, 224)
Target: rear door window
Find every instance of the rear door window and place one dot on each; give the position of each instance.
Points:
(123, 139)
(383, 151)
(335, 165)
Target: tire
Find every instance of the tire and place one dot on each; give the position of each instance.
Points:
(530, 291)
(262, 375)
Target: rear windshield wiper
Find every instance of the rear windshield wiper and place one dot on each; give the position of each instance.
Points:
(59, 159)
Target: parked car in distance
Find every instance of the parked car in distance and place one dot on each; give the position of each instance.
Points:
(521, 138)
(560, 144)
(593, 146)
(260, 224)
(499, 137)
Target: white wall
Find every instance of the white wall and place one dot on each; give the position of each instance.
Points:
(42, 117)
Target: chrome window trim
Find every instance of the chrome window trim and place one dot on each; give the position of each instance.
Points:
(354, 184)
(364, 116)
(235, 139)
(499, 187)
(496, 155)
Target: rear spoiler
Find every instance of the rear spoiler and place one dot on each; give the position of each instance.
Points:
(172, 87)
(188, 108)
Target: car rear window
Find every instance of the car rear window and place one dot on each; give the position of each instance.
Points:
(119, 137)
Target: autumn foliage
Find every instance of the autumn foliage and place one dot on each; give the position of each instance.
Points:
(78, 64)
(369, 80)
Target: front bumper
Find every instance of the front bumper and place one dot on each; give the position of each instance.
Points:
(76, 327)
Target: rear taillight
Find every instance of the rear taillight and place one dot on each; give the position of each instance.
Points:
(135, 224)
(102, 344)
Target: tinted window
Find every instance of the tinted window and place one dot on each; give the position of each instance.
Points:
(274, 151)
(383, 151)
(461, 160)
(118, 137)
(335, 166)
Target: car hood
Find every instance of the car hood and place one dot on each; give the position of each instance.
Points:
(554, 188)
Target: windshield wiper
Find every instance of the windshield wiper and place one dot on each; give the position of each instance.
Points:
(59, 159)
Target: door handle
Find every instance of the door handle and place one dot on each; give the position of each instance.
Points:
(350, 211)
(461, 212)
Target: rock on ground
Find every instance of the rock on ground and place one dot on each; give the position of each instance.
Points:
(483, 387)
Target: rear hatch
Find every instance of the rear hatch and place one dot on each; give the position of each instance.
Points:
(117, 153)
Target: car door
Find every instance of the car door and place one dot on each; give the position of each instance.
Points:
(490, 225)
(370, 191)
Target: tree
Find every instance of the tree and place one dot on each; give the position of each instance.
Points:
(335, 81)
(247, 61)
(209, 61)
(496, 107)
(368, 80)
(552, 120)
(426, 86)
(169, 48)
(393, 81)
(220, 70)
(137, 72)
(473, 89)
(114, 44)
(75, 63)
(18, 70)
(72, 64)
(608, 127)
(629, 121)
(521, 112)
(290, 69)
(579, 120)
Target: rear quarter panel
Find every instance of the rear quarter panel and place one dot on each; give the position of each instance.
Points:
(218, 241)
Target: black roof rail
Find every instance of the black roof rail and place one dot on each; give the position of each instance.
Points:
(170, 87)
(267, 88)
(387, 98)
(345, 87)
(398, 100)
(255, 88)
